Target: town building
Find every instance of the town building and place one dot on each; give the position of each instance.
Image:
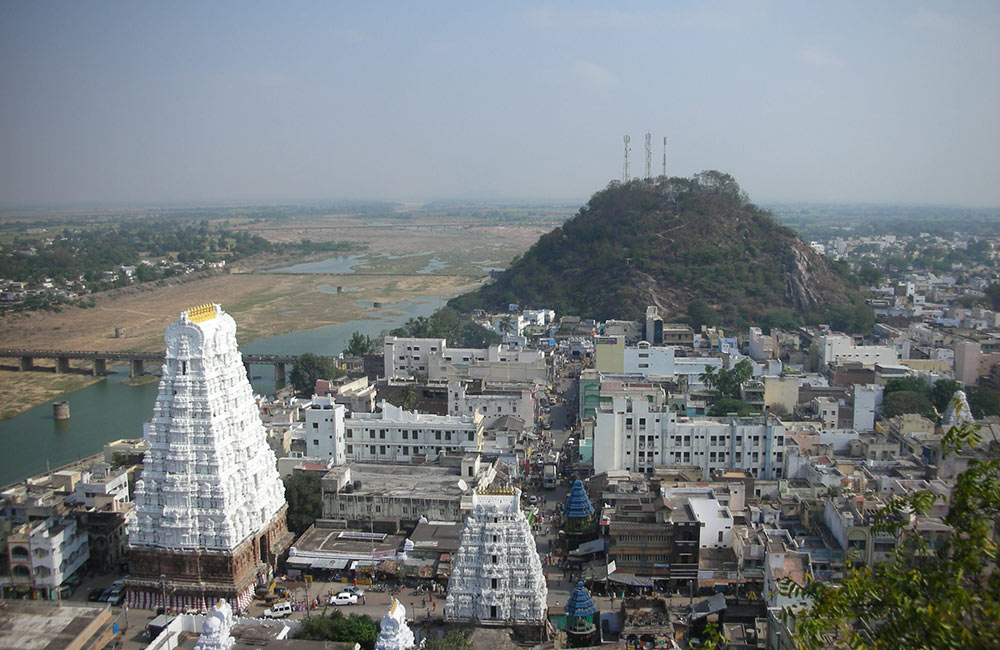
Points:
(396, 435)
(492, 402)
(210, 506)
(635, 436)
(360, 492)
(41, 555)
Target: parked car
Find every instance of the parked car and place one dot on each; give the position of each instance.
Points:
(95, 595)
(278, 610)
(117, 596)
(351, 589)
(343, 598)
(105, 595)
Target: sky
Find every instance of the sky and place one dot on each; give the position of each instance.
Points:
(109, 103)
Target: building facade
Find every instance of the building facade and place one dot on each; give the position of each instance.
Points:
(635, 436)
(399, 436)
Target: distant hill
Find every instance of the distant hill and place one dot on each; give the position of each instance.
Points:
(695, 247)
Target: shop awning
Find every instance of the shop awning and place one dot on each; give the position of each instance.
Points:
(593, 546)
(329, 563)
(631, 579)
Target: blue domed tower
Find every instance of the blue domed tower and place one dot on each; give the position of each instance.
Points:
(581, 618)
(579, 512)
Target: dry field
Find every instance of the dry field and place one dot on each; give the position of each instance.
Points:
(264, 304)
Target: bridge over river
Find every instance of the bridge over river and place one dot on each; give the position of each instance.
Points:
(137, 360)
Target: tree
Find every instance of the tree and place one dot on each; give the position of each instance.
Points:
(506, 324)
(337, 627)
(729, 405)
(728, 382)
(982, 401)
(907, 401)
(870, 275)
(308, 369)
(699, 313)
(926, 596)
(359, 345)
(305, 500)
(453, 640)
(911, 384)
(942, 393)
(993, 293)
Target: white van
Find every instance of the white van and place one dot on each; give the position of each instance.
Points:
(278, 610)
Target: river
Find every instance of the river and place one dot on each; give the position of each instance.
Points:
(111, 409)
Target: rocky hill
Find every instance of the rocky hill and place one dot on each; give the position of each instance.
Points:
(695, 247)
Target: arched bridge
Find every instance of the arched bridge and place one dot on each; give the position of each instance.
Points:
(137, 360)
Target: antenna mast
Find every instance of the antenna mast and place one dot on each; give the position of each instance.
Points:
(649, 156)
(664, 156)
(625, 173)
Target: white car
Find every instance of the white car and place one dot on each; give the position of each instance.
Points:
(278, 610)
(343, 598)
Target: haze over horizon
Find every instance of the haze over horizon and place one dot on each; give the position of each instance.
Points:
(116, 102)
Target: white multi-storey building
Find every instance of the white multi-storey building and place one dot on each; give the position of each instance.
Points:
(492, 404)
(396, 435)
(404, 356)
(663, 361)
(324, 429)
(761, 345)
(43, 554)
(633, 435)
(433, 359)
(101, 486)
(838, 348)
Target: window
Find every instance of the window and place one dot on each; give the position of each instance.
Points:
(437, 435)
(470, 436)
(720, 536)
(350, 449)
(381, 434)
(315, 442)
(406, 435)
(350, 433)
(381, 449)
(315, 425)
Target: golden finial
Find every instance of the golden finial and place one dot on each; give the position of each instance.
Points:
(201, 313)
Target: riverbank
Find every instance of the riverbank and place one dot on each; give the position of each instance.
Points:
(263, 304)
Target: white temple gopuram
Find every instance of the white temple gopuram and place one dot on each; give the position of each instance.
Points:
(394, 633)
(210, 506)
(496, 576)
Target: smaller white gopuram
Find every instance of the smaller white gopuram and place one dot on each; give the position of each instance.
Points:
(496, 575)
(958, 411)
(215, 630)
(394, 633)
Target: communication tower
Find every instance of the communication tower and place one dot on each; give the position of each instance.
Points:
(625, 173)
(664, 156)
(649, 156)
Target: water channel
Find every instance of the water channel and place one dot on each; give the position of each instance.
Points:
(111, 409)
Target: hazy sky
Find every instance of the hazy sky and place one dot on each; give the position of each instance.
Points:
(108, 102)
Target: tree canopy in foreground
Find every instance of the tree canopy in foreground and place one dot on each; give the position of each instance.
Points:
(924, 597)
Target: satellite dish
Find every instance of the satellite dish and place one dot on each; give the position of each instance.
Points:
(462, 485)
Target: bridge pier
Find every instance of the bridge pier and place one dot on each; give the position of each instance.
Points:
(136, 368)
(279, 372)
(62, 365)
(100, 367)
(26, 363)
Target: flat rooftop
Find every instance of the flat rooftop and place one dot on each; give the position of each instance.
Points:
(404, 481)
(346, 543)
(27, 625)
